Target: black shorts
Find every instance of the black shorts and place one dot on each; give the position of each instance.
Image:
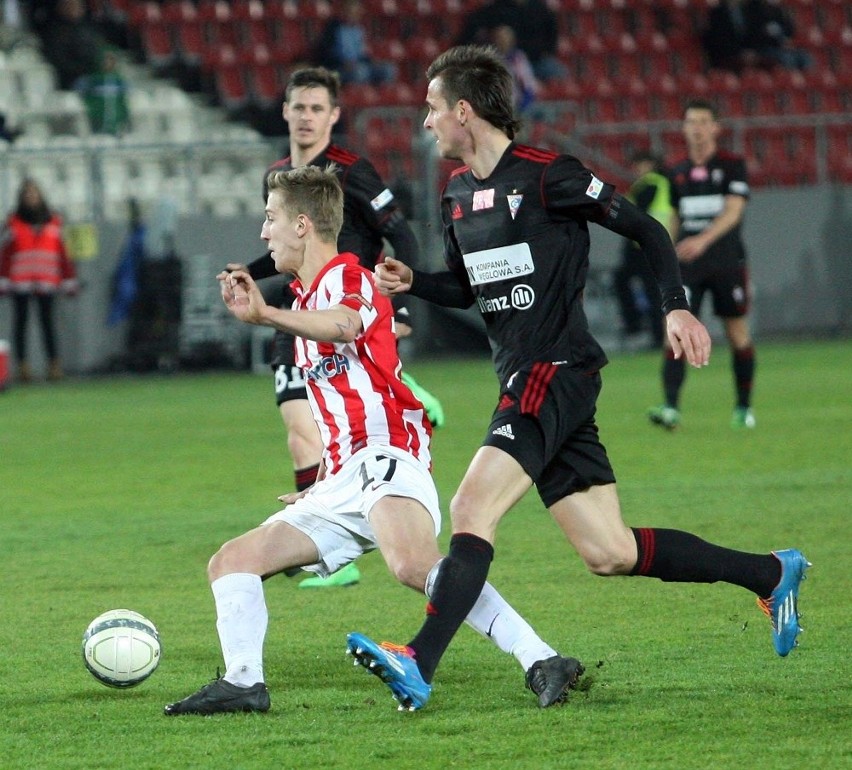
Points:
(289, 384)
(545, 420)
(729, 290)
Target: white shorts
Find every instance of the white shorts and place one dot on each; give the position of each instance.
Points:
(335, 513)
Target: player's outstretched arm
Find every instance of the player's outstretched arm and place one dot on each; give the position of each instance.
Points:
(688, 337)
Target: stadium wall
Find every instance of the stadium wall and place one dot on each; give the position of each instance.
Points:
(800, 254)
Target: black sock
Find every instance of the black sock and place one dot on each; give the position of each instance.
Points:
(305, 477)
(680, 557)
(674, 373)
(743, 364)
(458, 584)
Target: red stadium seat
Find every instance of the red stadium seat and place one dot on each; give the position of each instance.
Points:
(157, 43)
(191, 42)
(178, 11)
(144, 13)
(214, 11)
(258, 32)
(265, 85)
(839, 155)
(249, 10)
(231, 87)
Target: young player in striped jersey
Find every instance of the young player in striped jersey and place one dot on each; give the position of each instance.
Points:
(371, 216)
(375, 488)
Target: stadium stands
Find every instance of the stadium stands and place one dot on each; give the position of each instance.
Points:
(630, 62)
(631, 66)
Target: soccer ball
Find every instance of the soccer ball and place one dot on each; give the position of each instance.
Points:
(121, 648)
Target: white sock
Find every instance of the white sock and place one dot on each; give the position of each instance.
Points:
(241, 619)
(494, 618)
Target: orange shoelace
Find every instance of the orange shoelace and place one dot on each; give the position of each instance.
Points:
(766, 607)
(399, 649)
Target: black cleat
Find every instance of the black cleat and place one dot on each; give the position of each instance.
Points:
(221, 697)
(551, 679)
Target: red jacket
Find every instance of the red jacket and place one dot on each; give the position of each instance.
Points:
(33, 258)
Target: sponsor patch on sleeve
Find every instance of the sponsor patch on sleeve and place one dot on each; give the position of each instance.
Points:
(738, 187)
(382, 199)
(594, 188)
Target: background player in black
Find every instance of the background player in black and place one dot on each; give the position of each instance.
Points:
(709, 192)
(634, 283)
(517, 243)
(370, 216)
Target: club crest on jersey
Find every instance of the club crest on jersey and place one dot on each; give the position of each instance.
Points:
(717, 175)
(329, 366)
(698, 174)
(595, 187)
(483, 199)
(514, 203)
(457, 212)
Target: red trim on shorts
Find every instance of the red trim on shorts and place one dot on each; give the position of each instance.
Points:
(536, 388)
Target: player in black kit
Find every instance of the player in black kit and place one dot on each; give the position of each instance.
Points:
(516, 241)
(370, 215)
(709, 192)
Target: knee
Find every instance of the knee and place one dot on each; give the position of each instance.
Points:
(223, 562)
(409, 572)
(470, 515)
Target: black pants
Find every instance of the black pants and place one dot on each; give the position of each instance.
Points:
(45, 311)
(635, 266)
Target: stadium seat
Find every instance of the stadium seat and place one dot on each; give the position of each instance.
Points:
(258, 32)
(839, 154)
(265, 85)
(214, 11)
(179, 11)
(355, 97)
(191, 43)
(157, 43)
(144, 13)
(758, 93)
(231, 87)
(249, 10)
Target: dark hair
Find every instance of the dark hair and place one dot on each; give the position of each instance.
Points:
(39, 214)
(478, 75)
(647, 156)
(702, 104)
(314, 77)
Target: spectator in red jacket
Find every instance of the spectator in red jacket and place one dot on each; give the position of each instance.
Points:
(34, 264)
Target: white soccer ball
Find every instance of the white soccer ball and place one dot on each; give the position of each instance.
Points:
(121, 648)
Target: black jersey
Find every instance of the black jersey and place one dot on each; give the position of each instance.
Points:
(370, 212)
(520, 240)
(698, 195)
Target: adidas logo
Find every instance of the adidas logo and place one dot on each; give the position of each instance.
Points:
(505, 431)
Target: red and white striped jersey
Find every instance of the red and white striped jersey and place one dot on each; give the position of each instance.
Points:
(354, 389)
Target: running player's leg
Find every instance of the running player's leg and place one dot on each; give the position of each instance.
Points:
(236, 572)
(731, 303)
(404, 530)
(592, 522)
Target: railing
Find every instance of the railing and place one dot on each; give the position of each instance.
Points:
(92, 181)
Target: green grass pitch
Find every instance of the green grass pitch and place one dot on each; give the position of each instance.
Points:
(115, 492)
